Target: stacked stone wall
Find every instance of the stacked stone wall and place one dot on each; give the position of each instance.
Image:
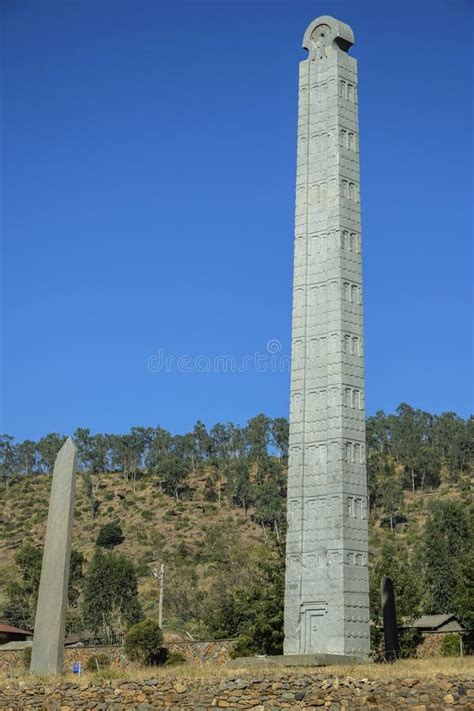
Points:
(215, 652)
(307, 692)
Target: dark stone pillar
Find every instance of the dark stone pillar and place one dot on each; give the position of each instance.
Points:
(390, 632)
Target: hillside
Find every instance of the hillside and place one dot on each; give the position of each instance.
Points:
(216, 518)
(193, 538)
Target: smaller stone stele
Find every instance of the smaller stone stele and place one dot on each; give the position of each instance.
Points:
(48, 642)
(390, 631)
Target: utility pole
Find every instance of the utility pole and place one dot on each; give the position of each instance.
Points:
(160, 604)
(161, 577)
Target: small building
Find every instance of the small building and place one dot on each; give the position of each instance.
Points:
(8, 634)
(433, 628)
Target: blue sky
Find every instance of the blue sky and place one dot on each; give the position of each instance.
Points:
(148, 193)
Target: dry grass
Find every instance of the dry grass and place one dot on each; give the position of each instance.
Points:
(408, 668)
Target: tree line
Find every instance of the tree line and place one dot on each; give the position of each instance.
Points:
(247, 465)
(416, 440)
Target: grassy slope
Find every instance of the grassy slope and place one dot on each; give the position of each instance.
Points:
(205, 538)
(155, 527)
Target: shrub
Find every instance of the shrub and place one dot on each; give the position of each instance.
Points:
(143, 570)
(97, 662)
(147, 515)
(243, 648)
(110, 535)
(143, 643)
(450, 646)
(175, 658)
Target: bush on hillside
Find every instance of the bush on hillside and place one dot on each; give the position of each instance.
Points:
(143, 643)
(110, 535)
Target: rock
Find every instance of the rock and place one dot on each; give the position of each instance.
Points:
(448, 699)
(445, 684)
(179, 688)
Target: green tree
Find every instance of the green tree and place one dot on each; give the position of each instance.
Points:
(76, 577)
(257, 436)
(220, 443)
(449, 436)
(376, 463)
(99, 456)
(412, 437)
(172, 473)
(239, 487)
(23, 593)
(27, 456)
(83, 440)
(378, 433)
(8, 458)
(253, 611)
(159, 447)
(91, 485)
(48, 447)
(110, 594)
(463, 604)
(391, 493)
(202, 442)
(279, 436)
(448, 542)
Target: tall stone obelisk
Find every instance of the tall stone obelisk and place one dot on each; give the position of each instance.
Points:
(326, 598)
(48, 642)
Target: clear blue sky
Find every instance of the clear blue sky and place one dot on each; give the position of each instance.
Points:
(148, 193)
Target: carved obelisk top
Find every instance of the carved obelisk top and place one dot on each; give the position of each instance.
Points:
(325, 31)
(48, 641)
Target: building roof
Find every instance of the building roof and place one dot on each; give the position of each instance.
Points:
(9, 629)
(433, 622)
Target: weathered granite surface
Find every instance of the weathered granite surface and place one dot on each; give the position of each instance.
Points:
(50, 621)
(327, 590)
(260, 693)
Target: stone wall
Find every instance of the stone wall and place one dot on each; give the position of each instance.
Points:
(430, 645)
(217, 652)
(307, 692)
(13, 660)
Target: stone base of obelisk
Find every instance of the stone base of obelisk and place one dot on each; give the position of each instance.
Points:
(296, 660)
